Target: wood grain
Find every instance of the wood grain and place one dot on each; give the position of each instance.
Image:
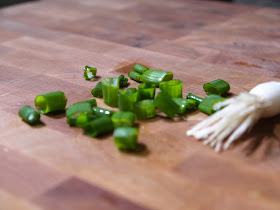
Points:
(44, 46)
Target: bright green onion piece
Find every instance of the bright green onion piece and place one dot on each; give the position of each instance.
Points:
(195, 98)
(173, 88)
(123, 81)
(144, 109)
(84, 118)
(97, 91)
(125, 138)
(123, 119)
(110, 89)
(127, 98)
(50, 102)
(135, 76)
(81, 107)
(100, 112)
(156, 76)
(184, 104)
(217, 87)
(98, 126)
(29, 115)
(146, 91)
(165, 104)
(139, 69)
(207, 104)
(89, 72)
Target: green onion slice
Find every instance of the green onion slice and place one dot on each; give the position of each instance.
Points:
(184, 104)
(89, 72)
(97, 90)
(173, 88)
(165, 104)
(84, 118)
(110, 89)
(125, 138)
(207, 104)
(135, 76)
(217, 87)
(101, 112)
(139, 69)
(123, 81)
(29, 115)
(123, 119)
(144, 109)
(98, 126)
(156, 76)
(127, 98)
(195, 98)
(146, 91)
(80, 107)
(50, 102)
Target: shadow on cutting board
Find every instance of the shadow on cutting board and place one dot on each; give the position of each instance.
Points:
(5, 3)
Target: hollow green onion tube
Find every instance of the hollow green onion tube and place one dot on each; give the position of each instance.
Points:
(139, 69)
(156, 76)
(97, 90)
(173, 88)
(127, 98)
(184, 104)
(49, 102)
(217, 87)
(123, 81)
(89, 72)
(98, 126)
(144, 109)
(207, 104)
(110, 89)
(146, 91)
(29, 115)
(81, 107)
(165, 104)
(125, 138)
(123, 119)
(84, 118)
(135, 76)
(195, 98)
(100, 112)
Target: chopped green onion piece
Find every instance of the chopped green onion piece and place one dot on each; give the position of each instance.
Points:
(89, 72)
(100, 112)
(135, 76)
(29, 115)
(139, 69)
(84, 118)
(123, 81)
(98, 126)
(165, 104)
(194, 97)
(80, 107)
(97, 91)
(123, 119)
(144, 109)
(49, 102)
(146, 91)
(156, 76)
(173, 88)
(217, 87)
(184, 104)
(127, 98)
(110, 89)
(125, 138)
(207, 104)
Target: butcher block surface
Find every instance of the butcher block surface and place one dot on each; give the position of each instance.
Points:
(44, 46)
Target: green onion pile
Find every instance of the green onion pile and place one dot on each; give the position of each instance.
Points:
(133, 103)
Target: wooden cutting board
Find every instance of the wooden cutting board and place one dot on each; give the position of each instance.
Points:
(44, 46)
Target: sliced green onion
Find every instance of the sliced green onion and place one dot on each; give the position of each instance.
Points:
(110, 89)
(29, 115)
(146, 91)
(97, 91)
(84, 118)
(144, 109)
(123, 119)
(165, 104)
(194, 97)
(173, 88)
(184, 104)
(123, 81)
(207, 104)
(125, 138)
(50, 102)
(135, 76)
(127, 98)
(81, 107)
(156, 76)
(100, 112)
(89, 72)
(98, 126)
(139, 69)
(217, 87)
